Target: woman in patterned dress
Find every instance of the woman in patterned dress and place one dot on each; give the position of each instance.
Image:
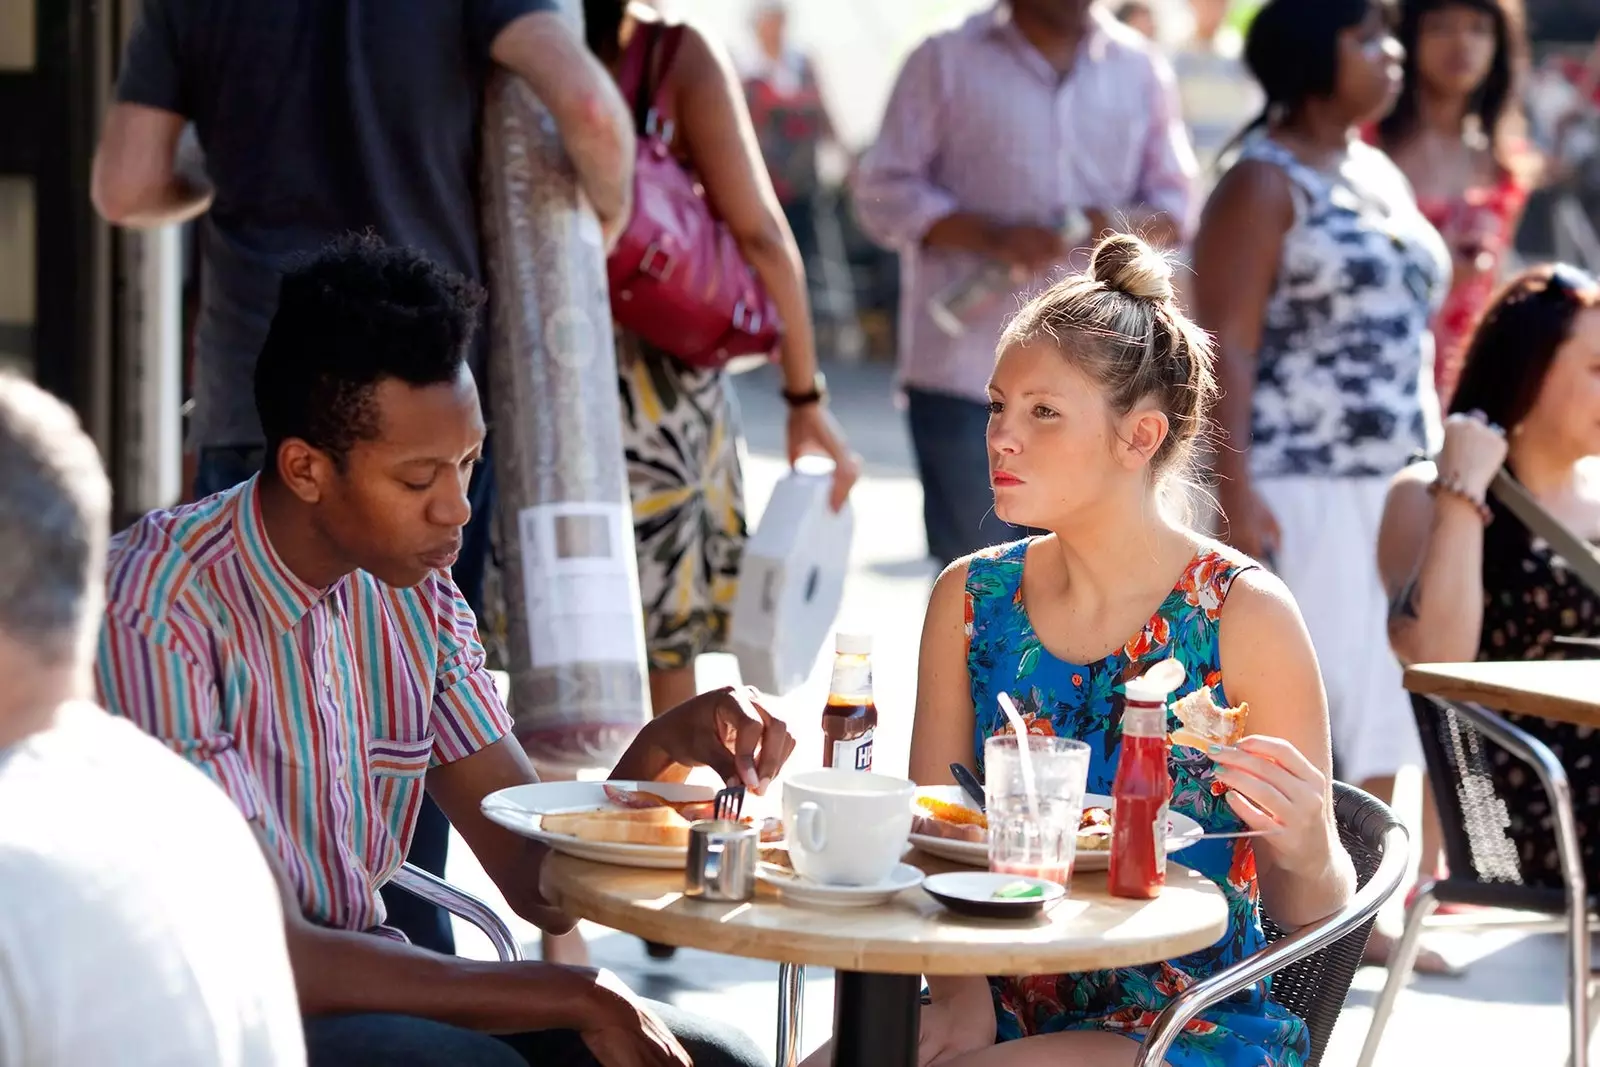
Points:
(680, 424)
(1097, 400)
(1456, 133)
(1318, 275)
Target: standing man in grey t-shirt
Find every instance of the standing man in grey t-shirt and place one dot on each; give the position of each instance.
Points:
(317, 119)
(139, 923)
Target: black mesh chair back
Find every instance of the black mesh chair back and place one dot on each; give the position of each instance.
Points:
(1485, 867)
(1315, 988)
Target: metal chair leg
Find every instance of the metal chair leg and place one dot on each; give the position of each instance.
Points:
(791, 1005)
(1401, 960)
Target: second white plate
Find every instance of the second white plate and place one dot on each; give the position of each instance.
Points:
(1183, 832)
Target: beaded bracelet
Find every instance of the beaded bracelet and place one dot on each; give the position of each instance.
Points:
(1451, 484)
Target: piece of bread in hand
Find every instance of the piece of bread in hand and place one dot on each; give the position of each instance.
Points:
(623, 826)
(1205, 722)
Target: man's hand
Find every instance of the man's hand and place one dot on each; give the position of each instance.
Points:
(725, 729)
(621, 1032)
(1027, 250)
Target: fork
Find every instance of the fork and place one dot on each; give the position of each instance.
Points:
(728, 804)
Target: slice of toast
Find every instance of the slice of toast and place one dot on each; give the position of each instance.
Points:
(623, 826)
(1205, 722)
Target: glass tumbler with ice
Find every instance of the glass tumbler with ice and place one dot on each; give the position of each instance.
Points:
(1034, 835)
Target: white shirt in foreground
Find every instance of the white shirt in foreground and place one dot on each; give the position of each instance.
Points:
(139, 923)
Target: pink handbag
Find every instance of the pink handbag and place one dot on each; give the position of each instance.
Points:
(678, 278)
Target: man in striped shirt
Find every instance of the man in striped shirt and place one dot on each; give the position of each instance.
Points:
(300, 640)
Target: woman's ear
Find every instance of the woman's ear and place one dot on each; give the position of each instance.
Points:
(1144, 430)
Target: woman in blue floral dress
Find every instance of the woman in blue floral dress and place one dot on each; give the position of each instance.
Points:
(1097, 399)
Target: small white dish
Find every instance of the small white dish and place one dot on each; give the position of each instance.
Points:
(800, 890)
(973, 893)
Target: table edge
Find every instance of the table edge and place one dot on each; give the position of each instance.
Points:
(848, 955)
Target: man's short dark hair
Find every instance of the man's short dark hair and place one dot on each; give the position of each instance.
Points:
(357, 312)
(55, 510)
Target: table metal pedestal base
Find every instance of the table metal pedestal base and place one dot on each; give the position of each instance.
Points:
(876, 1019)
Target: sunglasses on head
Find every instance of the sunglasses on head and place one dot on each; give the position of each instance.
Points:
(1569, 282)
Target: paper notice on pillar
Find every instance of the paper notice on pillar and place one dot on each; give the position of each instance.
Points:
(791, 581)
(580, 590)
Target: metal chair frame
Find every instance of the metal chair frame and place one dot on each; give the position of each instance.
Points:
(437, 891)
(1574, 919)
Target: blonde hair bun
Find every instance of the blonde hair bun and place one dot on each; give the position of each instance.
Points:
(1126, 264)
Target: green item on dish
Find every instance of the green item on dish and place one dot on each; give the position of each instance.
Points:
(1019, 891)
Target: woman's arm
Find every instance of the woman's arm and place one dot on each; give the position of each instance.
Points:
(1430, 554)
(1282, 773)
(721, 142)
(942, 734)
(1236, 256)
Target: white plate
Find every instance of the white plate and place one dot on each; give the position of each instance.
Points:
(520, 809)
(1183, 832)
(804, 891)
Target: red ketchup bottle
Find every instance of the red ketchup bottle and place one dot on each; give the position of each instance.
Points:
(1140, 794)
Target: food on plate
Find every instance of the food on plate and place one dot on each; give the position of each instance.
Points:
(693, 810)
(1094, 830)
(623, 826)
(640, 817)
(1205, 722)
(940, 818)
(1019, 891)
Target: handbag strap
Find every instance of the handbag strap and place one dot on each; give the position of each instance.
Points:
(645, 66)
(1579, 554)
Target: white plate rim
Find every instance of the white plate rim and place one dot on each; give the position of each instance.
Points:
(1052, 891)
(790, 882)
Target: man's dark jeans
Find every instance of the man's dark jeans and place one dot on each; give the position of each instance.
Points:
(406, 1041)
(426, 925)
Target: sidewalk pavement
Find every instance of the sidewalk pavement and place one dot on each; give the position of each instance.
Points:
(1509, 1007)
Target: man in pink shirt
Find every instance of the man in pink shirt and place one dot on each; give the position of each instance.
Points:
(998, 134)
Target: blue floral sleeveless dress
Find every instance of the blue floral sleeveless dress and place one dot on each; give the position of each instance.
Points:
(1085, 701)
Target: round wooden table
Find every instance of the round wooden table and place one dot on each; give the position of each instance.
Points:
(881, 953)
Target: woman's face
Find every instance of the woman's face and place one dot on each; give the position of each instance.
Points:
(1055, 446)
(1568, 404)
(1455, 49)
(1371, 68)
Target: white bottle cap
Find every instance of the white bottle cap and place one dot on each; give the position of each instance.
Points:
(853, 644)
(1142, 692)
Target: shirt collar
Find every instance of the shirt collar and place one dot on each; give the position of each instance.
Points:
(1096, 41)
(285, 596)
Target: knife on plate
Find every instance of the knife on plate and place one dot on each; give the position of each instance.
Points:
(969, 784)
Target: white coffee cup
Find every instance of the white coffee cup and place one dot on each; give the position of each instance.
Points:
(846, 827)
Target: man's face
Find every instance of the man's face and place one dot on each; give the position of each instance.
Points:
(397, 508)
(1063, 16)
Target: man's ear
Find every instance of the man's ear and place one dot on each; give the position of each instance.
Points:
(308, 472)
(1144, 430)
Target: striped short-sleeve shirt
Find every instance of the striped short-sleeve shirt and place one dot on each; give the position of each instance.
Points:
(318, 711)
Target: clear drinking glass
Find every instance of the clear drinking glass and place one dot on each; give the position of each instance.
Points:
(1036, 836)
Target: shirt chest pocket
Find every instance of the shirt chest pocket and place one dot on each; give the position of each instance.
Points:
(394, 758)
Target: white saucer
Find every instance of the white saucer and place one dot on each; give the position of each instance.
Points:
(804, 891)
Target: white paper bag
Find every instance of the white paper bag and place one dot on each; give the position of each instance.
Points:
(791, 581)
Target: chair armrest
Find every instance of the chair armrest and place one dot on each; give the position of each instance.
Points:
(1289, 949)
(419, 883)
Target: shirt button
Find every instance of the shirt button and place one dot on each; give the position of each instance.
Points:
(342, 773)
